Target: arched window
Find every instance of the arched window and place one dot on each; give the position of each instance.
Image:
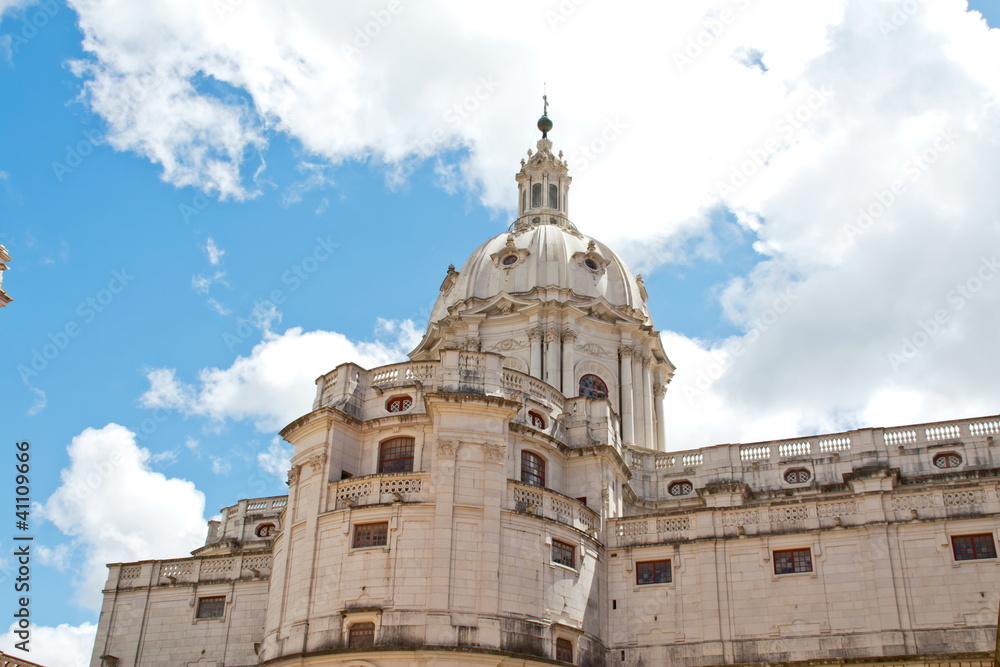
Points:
(681, 488)
(553, 196)
(948, 460)
(564, 650)
(592, 386)
(536, 419)
(536, 195)
(265, 530)
(361, 634)
(532, 469)
(524, 201)
(396, 455)
(399, 404)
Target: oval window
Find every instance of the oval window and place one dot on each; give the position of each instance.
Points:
(399, 404)
(591, 264)
(509, 260)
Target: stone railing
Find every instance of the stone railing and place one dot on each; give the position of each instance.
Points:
(379, 488)
(194, 570)
(528, 499)
(648, 530)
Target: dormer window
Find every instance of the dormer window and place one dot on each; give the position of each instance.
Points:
(553, 196)
(509, 260)
(591, 264)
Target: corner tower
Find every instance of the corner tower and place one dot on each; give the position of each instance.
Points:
(558, 305)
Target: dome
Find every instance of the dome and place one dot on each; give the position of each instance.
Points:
(545, 261)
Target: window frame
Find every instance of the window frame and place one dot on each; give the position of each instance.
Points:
(797, 472)
(398, 461)
(680, 483)
(944, 456)
(563, 645)
(366, 539)
(536, 195)
(536, 419)
(793, 554)
(265, 530)
(355, 630)
(654, 572)
(210, 599)
(565, 551)
(553, 196)
(531, 473)
(401, 400)
(973, 548)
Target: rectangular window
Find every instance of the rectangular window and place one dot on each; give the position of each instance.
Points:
(564, 554)
(973, 547)
(213, 607)
(371, 534)
(564, 650)
(793, 560)
(653, 572)
(361, 634)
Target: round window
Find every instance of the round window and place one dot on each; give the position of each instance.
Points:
(591, 264)
(509, 260)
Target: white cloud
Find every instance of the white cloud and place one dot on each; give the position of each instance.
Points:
(276, 460)
(105, 501)
(797, 132)
(201, 284)
(275, 384)
(221, 466)
(215, 253)
(61, 646)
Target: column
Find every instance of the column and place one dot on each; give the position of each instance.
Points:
(568, 385)
(638, 400)
(659, 391)
(647, 402)
(535, 336)
(552, 356)
(625, 355)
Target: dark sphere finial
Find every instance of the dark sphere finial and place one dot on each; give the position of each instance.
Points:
(545, 125)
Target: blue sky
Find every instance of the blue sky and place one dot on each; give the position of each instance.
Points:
(193, 235)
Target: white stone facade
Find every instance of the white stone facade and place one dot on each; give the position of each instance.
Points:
(470, 507)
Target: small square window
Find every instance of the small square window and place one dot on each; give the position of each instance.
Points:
(973, 547)
(371, 534)
(360, 635)
(563, 554)
(653, 572)
(791, 561)
(213, 607)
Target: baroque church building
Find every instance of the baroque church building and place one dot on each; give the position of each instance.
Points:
(505, 498)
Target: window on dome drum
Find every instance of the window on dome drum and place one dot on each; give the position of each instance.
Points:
(371, 534)
(536, 419)
(681, 488)
(653, 572)
(213, 607)
(797, 476)
(973, 547)
(265, 530)
(948, 460)
(790, 561)
(396, 455)
(564, 650)
(563, 554)
(553, 196)
(361, 635)
(399, 404)
(592, 386)
(536, 195)
(532, 469)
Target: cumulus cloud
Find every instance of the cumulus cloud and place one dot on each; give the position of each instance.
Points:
(276, 460)
(857, 150)
(275, 383)
(105, 500)
(61, 646)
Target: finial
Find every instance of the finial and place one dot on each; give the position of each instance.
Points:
(544, 124)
